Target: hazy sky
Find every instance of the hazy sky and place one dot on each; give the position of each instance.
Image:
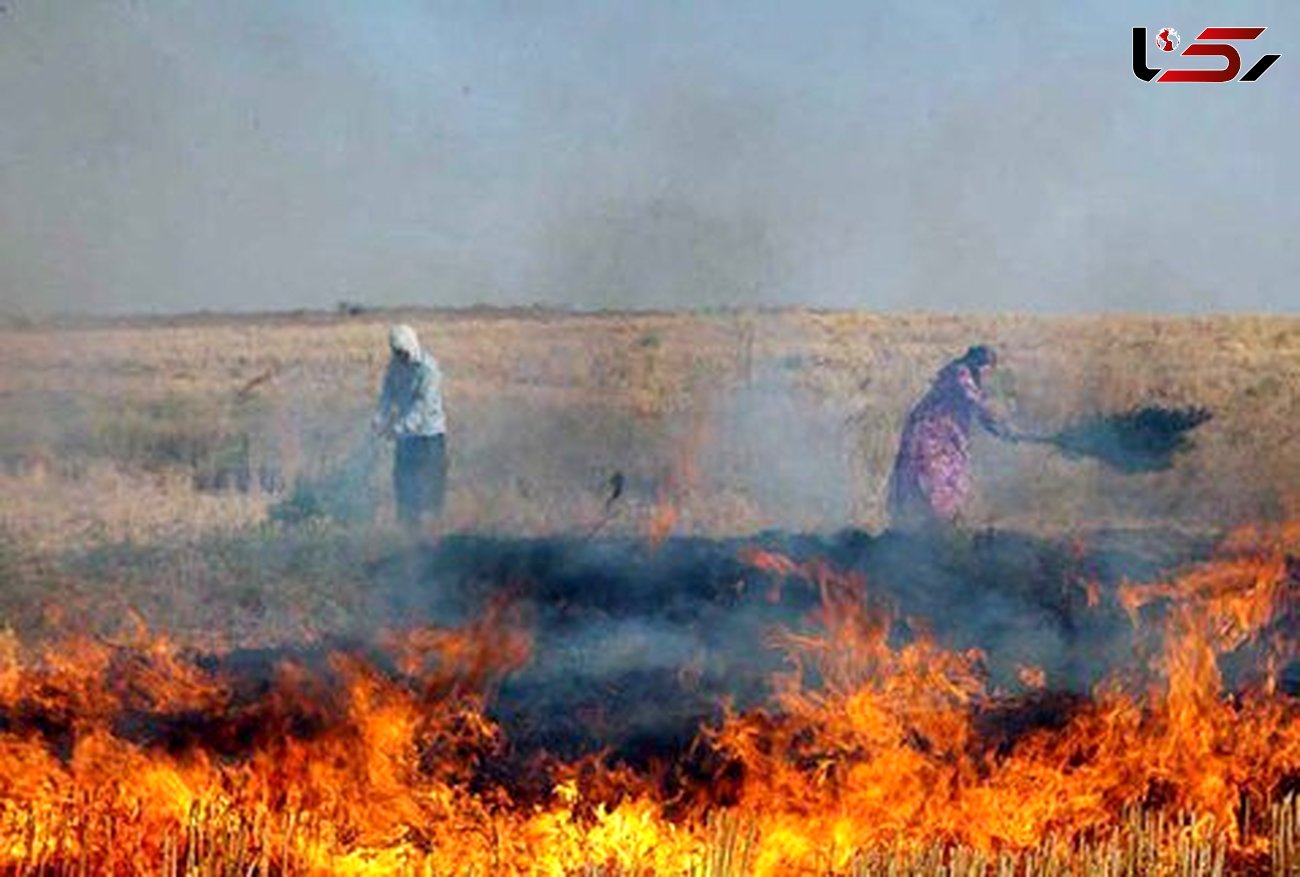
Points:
(161, 155)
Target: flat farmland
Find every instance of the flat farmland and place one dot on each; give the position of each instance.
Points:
(739, 421)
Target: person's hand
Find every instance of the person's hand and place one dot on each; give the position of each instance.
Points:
(1010, 434)
(379, 426)
(996, 427)
(1035, 438)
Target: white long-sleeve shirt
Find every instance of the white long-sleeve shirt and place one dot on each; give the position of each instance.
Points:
(411, 399)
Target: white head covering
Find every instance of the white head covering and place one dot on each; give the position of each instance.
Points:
(402, 339)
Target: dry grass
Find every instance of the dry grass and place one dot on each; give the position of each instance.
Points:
(216, 840)
(791, 417)
(116, 435)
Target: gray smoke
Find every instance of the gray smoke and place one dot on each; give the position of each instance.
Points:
(247, 155)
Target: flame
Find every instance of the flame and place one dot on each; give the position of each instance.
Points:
(663, 517)
(1032, 677)
(678, 483)
(869, 753)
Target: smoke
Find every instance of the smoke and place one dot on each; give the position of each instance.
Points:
(635, 647)
(784, 453)
(680, 215)
(165, 158)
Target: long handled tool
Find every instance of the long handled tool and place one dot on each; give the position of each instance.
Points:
(341, 492)
(616, 483)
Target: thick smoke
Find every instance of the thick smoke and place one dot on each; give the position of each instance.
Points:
(169, 158)
(636, 646)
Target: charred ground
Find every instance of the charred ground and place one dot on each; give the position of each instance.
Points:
(633, 649)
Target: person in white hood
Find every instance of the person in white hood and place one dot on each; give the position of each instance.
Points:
(410, 412)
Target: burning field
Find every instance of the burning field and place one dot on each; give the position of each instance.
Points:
(782, 705)
(641, 439)
(665, 630)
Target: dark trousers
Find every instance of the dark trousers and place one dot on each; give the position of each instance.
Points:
(419, 476)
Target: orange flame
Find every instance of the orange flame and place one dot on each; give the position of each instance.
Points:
(866, 745)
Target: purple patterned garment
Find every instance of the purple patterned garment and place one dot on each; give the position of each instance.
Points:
(931, 478)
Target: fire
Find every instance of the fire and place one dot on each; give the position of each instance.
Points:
(678, 483)
(1032, 677)
(887, 752)
(663, 517)
(874, 751)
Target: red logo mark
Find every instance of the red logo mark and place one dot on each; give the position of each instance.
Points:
(1168, 40)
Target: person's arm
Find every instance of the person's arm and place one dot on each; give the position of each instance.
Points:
(383, 413)
(426, 401)
(986, 416)
(997, 426)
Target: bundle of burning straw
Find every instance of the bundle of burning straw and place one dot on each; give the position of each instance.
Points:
(1138, 440)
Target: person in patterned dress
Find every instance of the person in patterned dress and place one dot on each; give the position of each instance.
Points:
(931, 480)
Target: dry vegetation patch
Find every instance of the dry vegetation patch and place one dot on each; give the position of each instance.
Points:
(789, 419)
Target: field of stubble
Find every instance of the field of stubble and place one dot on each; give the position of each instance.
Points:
(151, 463)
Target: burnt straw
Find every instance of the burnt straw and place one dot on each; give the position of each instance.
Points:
(1143, 439)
